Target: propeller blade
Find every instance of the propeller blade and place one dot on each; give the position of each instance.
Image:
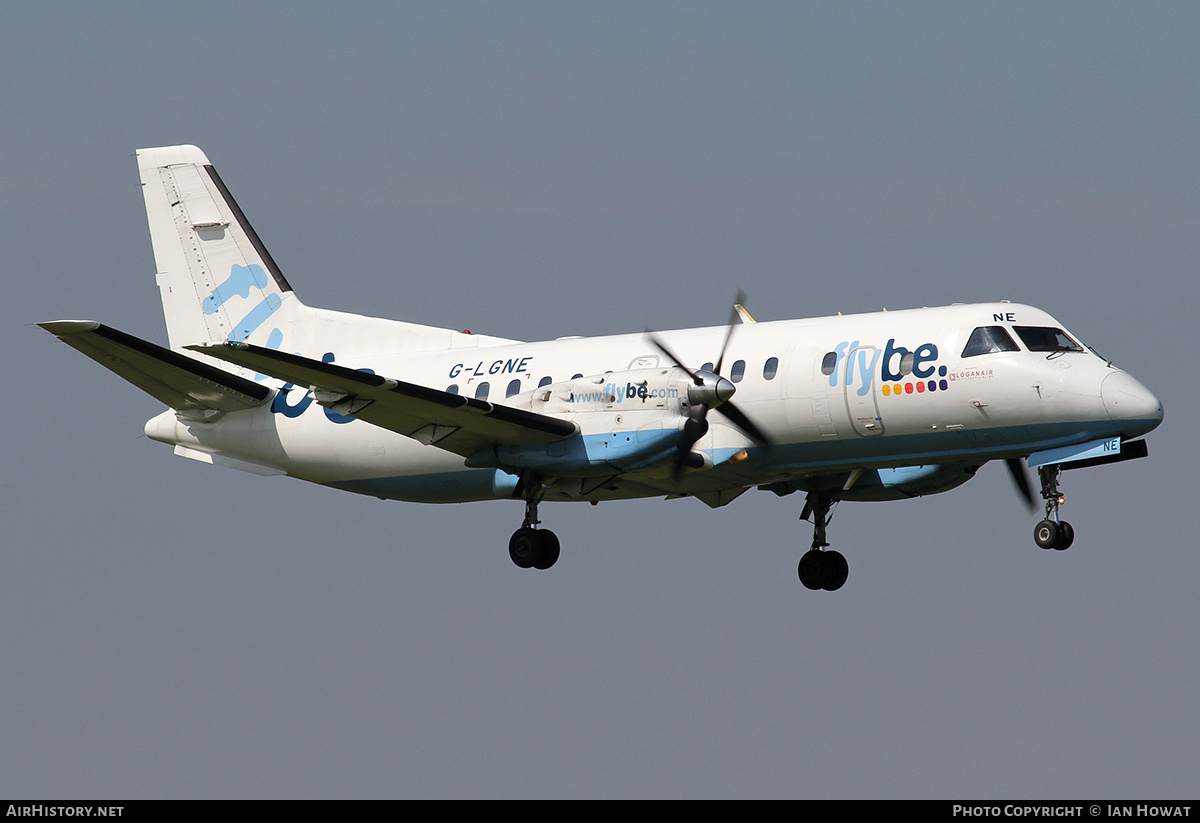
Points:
(695, 428)
(739, 299)
(738, 418)
(1020, 479)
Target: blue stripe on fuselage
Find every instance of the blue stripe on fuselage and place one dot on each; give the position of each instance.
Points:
(795, 458)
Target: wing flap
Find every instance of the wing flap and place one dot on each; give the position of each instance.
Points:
(459, 424)
(177, 380)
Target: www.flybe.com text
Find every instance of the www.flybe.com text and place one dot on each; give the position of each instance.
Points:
(614, 393)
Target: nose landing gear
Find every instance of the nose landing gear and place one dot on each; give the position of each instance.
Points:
(820, 569)
(1052, 533)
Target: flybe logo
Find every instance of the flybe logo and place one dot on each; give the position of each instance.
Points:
(239, 284)
(897, 369)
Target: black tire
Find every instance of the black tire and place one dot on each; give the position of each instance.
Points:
(811, 569)
(1045, 534)
(524, 547)
(548, 549)
(836, 571)
(1066, 536)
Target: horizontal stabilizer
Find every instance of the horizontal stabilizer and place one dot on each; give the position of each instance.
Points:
(181, 382)
(462, 425)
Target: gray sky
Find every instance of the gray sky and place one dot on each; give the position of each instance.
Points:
(534, 170)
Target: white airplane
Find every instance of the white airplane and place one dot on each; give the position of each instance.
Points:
(859, 407)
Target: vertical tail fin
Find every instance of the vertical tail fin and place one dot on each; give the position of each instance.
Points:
(216, 279)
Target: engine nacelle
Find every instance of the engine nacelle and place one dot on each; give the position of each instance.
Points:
(636, 390)
(627, 420)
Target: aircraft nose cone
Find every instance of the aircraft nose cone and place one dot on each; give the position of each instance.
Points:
(1127, 399)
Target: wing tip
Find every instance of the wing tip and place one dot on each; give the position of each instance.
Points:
(61, 327)
(161, 156)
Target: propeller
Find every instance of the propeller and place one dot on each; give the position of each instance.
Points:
(709, 390)
(738, 300)
(1020, 478)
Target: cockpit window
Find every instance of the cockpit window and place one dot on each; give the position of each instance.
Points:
(989, 340)
(1044, 338)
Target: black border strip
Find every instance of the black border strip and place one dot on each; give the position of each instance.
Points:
(280, 280)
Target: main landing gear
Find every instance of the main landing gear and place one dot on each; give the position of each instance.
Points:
(1052, 533)
(531, 547)
(820, 569)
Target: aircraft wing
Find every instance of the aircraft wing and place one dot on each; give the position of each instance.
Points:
(458, 424)
(184, 383)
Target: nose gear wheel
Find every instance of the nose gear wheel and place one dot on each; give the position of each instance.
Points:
(1052, 533)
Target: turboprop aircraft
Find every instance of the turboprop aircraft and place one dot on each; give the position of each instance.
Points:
(859, 407)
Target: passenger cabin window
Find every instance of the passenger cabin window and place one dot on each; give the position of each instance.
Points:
(707, 367)
(989, 340)
(770, 368)
(1044, 338)
(514, 387)
(452, 388)
(481, 391)
(545, 381)
(829, 363)
(739, 371)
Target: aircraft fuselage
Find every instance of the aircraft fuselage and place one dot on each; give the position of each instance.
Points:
(834, 394)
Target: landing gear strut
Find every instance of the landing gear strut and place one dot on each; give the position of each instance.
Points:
(820, 569)
(531, 547)
(1052, 533)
